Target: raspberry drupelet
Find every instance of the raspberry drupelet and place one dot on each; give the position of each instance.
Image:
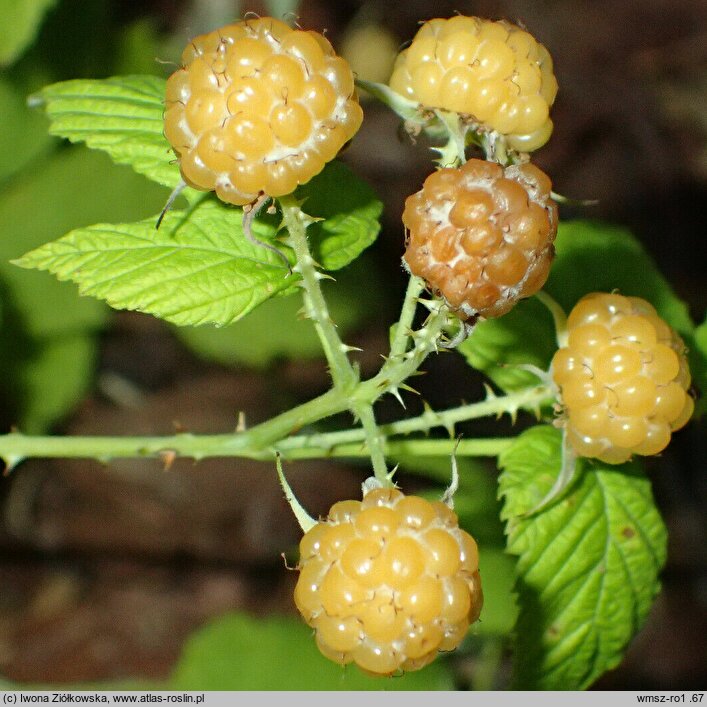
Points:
(258, 108)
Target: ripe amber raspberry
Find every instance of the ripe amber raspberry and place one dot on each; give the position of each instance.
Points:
(482, 235)
(493, 71)
(388, 582)
(258, 108)
(623, 378)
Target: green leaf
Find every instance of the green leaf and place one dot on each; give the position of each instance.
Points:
(23, 137)
(349, 211)
(197, 268)
(596, 257)
(20, 22)
(500, 610)
(587, 570)
(122, 115)
(55, 379)
(50, 334)
(238, 652)
(276, 328)
(523, 336)
(72, 188)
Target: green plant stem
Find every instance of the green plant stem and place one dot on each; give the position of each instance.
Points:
(343, 374)
(264, 440)
(261, 441)
(19, 447)
(525, 399)
(395, 370)
(403, 328)
(485, 447)
(374, 443)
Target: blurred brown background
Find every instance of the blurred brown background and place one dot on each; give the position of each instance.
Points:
(106, 570)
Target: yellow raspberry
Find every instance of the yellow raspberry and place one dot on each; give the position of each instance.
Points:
(493, 71)
(481, 235)
(388, 582)
(258, 107)
(623, 378)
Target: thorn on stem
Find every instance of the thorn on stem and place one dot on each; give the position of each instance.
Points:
(573, 202)
(168, 457)
(241, 424)
(11, 462)
(396, 394)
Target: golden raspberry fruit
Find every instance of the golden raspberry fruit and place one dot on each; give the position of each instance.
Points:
(623, 378)
(388, 582)
(481, 235)
(493, 71)
(258, 107)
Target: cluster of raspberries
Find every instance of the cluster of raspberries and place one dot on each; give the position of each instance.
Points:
(257, 109)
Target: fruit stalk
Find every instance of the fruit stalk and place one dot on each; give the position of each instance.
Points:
(374, 442)
(403, 328)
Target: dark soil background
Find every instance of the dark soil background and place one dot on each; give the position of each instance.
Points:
(105, 570)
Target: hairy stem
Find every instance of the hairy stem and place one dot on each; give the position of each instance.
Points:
(525, 399)
(264, 440)
(482, 447)
(343, 374)
(403, 328)
(395, 370)
(18, 446)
